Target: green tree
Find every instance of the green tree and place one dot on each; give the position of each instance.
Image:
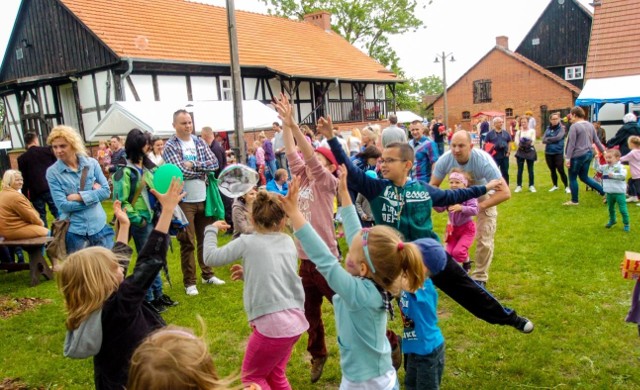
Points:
(366, 24)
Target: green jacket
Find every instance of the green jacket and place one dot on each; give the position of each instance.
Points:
(125, 182)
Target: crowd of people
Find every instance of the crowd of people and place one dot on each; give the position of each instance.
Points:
(385, 181)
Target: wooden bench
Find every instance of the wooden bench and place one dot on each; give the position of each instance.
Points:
(37, 264)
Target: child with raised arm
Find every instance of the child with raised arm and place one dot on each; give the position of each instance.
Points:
(461, 229)
(273, 294)
(318, 188)
(377, 259)
(107, 315)
(406, 205)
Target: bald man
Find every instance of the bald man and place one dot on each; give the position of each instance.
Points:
(483, 169)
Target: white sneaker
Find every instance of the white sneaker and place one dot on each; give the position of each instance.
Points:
(532, 189)
(191, 290)
(518, 189)
(553, 189)
(213, 280)
(567, 190)
(632, 199)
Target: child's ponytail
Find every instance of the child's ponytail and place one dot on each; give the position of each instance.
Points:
(412, 265)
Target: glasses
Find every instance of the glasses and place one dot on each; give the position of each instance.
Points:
(390, 160)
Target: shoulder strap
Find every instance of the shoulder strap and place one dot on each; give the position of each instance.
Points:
(139, 189)
(83, 177)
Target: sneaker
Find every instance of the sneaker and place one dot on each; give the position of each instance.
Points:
(554, 188)
(627, 228)
(523, 325)
(166, 300)
(631, 199)
(317, 364)
(518, 189)
(567, 190)
(191, 290)
(157, 306)
(532, 189)
(213, 280)
(396, 355)
(609, 224)
(570, 203)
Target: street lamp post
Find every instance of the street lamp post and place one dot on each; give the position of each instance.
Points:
(443, 57)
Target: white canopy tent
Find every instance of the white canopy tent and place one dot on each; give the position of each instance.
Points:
(407, 117)
(156, 117)
(625, 89)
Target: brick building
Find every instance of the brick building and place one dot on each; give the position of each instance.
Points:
(508, 82)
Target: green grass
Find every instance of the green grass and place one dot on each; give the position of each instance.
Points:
(556, 265)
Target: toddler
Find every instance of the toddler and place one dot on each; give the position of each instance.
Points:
(633, 158)
(614, 175)
(461, 229)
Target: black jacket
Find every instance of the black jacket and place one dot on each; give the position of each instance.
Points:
(622, 136)
(33, 164)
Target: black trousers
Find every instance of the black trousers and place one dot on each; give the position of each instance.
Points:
(455, 282)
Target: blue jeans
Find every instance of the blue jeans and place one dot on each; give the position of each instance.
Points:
(580, 169)
(103, 238)
(39, 203)
(140, 236)
(271, 165)
(424, 372)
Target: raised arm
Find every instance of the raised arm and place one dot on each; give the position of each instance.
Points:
(286, 114)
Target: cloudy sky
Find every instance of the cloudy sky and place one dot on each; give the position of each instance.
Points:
(465, 28)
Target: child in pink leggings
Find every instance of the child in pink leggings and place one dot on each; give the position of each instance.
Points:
(461, 229)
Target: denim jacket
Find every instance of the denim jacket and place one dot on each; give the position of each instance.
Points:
(86, 217)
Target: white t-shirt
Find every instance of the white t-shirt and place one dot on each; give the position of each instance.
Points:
(196, 189)
(481, 166)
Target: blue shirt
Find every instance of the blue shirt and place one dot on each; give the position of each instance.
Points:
(86, 217)
(273, 187)
(421, 332)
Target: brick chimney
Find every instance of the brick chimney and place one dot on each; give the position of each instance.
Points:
(503, 42)
(321, 19)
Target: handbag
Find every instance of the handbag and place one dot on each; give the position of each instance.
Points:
(57, 248)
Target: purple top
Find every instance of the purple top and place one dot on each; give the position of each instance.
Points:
(469, 210)
(268, 151)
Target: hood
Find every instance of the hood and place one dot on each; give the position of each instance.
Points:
(433, 255)
(86, 340)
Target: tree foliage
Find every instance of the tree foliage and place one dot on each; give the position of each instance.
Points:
(366, 24)
(409, 94)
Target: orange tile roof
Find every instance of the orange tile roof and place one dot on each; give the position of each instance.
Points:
(185, 31)
(613, 49)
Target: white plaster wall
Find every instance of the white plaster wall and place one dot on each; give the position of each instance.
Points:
(368, 91)
(347, 90)
(85, 90)
(172, 88)
(334, 92)
(144, 87)
(305, 109)
(250, 89)
(275, 87)
(304, 90)
(611, 112)
(204, 88)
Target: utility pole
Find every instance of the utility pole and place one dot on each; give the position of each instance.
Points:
(236, 82)
(443, 57)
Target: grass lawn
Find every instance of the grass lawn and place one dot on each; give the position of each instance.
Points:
(556, 265)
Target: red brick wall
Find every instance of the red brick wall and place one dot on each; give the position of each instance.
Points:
(513, 85)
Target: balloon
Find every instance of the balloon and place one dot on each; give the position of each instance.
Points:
(163, 176)
(236, 180)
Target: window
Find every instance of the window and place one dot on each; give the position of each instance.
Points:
(573, 72)
(482, 91)
(466, 115)
(225, 88)
(508, 111)
(535, 41)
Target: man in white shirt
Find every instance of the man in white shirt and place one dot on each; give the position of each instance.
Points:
(393, 133)
(194, 158)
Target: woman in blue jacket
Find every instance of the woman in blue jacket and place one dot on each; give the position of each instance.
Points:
(553, 139)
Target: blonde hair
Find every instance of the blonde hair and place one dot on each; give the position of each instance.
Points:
(9, 178)
(86, 279)
(392, 259)
(70, 135)
(262, 135)
(371, 134)
(356, 133)
(174, 358)
(634, 142)
(613, 152)
(267, 211)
